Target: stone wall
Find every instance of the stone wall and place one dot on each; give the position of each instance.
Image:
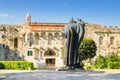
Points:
(21, 41)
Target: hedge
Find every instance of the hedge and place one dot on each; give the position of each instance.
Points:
(1, 66)
(16, 65)
(114, 65)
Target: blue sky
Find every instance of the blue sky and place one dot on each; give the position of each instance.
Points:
(105, 12)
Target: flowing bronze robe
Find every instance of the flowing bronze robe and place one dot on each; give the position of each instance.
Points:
(74, 33)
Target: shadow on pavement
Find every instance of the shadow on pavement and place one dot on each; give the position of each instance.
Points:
(94, 71)
(2, 78)
(5, 75)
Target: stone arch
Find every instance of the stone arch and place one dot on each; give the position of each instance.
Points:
(56, 34)
(50, 35)
(15, 42)
(29, 35)
(36, 38)
(43, 34)
(100, 40)
(112, 40)
(50, 52)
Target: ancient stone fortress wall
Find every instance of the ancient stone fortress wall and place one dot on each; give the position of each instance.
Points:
(42, 43)
(107, 38)
(9, 37)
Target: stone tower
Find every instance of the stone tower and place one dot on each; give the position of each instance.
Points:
(28, 17)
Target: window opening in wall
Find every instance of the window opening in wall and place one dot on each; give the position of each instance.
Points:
(112, 40)
(50, 38)
(15, 43)
(30, 53)
(57, 35)
(31, 41)
(36, 38)
(49, 41)
(100, 40)
(23, 39)
(3, 36)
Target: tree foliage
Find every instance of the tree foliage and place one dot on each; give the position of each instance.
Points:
(87, 49)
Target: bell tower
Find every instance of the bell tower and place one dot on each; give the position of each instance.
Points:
(28, 18)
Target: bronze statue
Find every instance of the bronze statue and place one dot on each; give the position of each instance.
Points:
(74, 33)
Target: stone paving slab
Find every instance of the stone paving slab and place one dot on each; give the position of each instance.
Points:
(61, 75)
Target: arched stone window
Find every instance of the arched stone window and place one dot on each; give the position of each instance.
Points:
(100, 40)
(50, 38)
(15, 43)
(36, 38)
(111, 40)
(43, 35)
(31, 39)
(23, 37)
(56, 35)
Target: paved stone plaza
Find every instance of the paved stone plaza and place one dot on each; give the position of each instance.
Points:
(60, 75)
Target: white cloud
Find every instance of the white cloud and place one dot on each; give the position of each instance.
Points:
(6, 15)
(65, 5)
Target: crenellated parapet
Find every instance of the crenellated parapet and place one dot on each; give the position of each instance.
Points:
(97, 28)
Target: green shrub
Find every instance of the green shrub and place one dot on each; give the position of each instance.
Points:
(88, 67)
(101, 62)
(114, 58)
(1, 66)
(110, 62)
(114, 65)
(7, 65)
(17, 65)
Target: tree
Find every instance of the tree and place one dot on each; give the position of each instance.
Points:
(87, 49)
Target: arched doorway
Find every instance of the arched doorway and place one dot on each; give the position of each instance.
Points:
(50, 58)
(50, 62)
